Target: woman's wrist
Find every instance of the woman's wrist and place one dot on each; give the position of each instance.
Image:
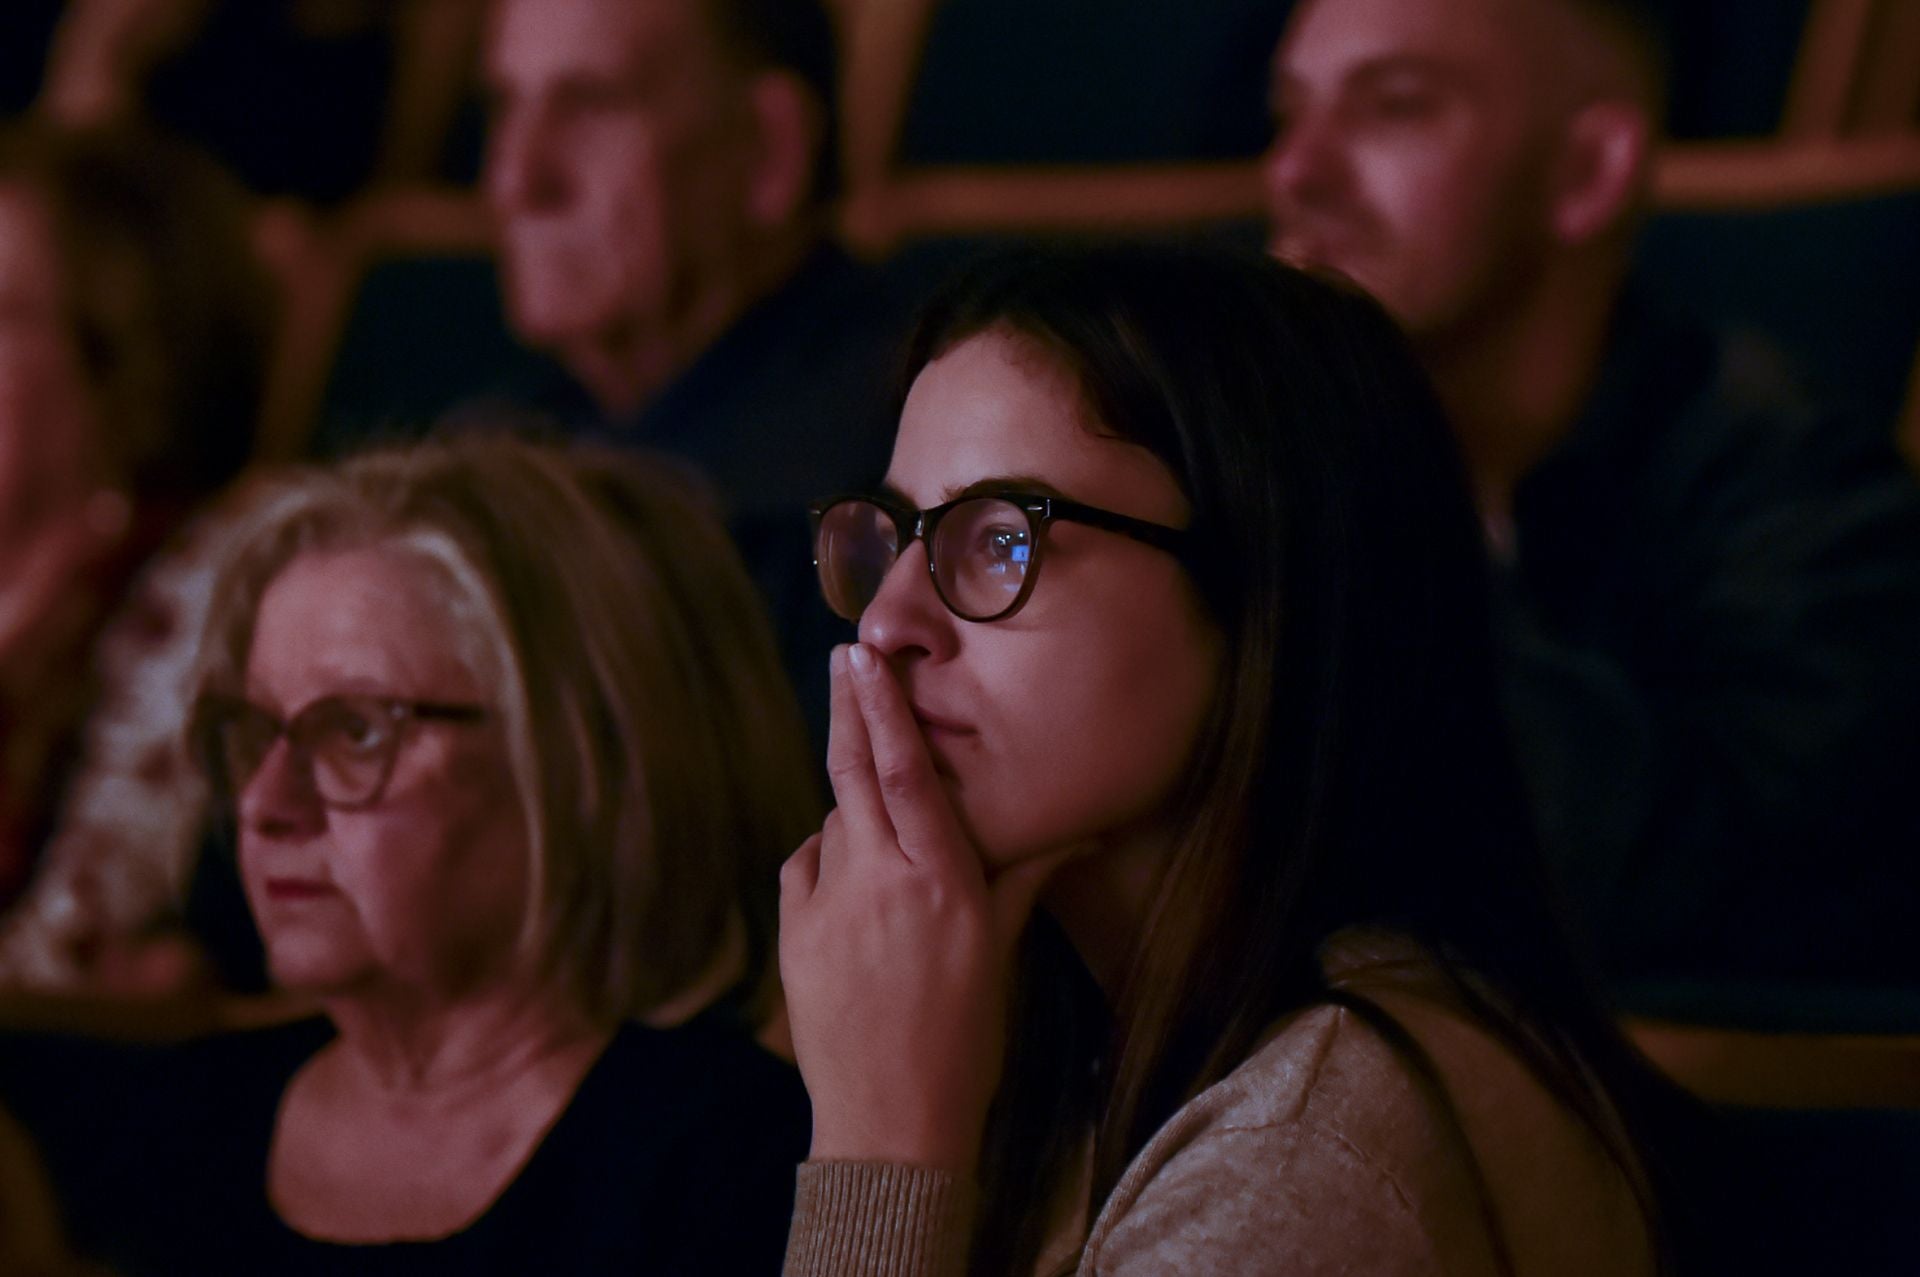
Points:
(928, 1146)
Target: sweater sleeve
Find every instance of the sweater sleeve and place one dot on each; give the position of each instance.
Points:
(1256, 1200)
(875, 1219)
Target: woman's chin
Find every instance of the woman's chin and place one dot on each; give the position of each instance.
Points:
(1002, 848)
(303, 966)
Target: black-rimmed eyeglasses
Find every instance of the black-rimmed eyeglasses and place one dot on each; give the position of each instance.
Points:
(347, 743)
(983, 551)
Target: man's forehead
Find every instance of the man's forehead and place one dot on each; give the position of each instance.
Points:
(552, 39)
(1331, 39)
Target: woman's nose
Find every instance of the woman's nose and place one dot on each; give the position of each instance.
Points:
(279, 798)
(907, 614)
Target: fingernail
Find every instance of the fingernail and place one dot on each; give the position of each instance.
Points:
(861, 657)
(837, 659)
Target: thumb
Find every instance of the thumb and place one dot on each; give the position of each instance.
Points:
(1015, 890)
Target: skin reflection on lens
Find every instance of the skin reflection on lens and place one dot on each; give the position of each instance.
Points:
(878, 545)
(858, 545)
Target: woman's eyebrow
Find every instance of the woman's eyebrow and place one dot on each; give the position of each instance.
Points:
(1001, 483)
(990, 485)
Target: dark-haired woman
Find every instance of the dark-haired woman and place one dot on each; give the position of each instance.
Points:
(134, 334)
(1179, 912)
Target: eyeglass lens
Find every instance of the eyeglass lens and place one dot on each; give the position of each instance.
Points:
(982, 551)
(348, 741)
(857, 543)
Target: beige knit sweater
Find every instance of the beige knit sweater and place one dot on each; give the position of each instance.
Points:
(1318, 1155)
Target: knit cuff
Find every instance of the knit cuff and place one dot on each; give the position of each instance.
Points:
(878, 1219)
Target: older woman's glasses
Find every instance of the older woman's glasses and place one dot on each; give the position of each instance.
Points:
(982, 551)
(348, 743)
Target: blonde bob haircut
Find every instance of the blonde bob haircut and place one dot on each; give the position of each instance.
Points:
(656, 745)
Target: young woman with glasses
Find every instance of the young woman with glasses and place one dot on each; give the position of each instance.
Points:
(511, 765)
(1179, 912)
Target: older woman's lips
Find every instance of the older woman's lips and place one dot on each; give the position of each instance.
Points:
(293, 889)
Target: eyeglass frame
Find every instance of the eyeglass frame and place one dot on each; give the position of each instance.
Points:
(208, 710)
(1041, 509)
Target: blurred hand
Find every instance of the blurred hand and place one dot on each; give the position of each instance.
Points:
(895, 950)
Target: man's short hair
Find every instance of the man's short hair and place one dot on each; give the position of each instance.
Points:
(795, 36)
(1643, 31)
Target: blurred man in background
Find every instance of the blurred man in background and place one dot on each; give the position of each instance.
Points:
(1712, 590)
(662, 173)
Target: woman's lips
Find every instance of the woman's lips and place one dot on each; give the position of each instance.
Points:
(930, 723)
(940, 733)
(294, 889)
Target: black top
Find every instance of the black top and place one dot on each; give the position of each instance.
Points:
(793, 403)
(1714, 610)
(675, 1156)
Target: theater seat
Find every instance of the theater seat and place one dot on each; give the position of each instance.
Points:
(1822, 1131)
(425, 336)
(1091, 81)
(394, 317)
(1841, 1193)
(1791, 1070)
(1734, 62)
(1005, 117)
(1816, 247)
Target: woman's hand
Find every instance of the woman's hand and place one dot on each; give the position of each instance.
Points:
(895, 951)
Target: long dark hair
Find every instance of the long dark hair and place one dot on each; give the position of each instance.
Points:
(1354, 770)
(172, 314)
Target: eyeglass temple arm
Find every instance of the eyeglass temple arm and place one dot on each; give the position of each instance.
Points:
(1172, 540)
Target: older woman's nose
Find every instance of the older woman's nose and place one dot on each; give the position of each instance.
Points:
(907, 616)
(279, 799)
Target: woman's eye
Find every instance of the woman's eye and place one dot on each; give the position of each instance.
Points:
(351, 729)
(1004, 548)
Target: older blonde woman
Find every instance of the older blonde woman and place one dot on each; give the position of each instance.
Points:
(511, 766)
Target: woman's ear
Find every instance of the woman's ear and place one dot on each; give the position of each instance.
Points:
(1602, 170)
(788, 122)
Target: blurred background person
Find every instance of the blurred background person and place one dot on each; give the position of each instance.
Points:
(511, 764)
(1711, 588)
(134, 326)
(662, 176)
